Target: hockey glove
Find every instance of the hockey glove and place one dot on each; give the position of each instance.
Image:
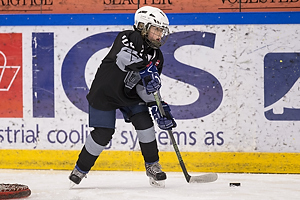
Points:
(164, 122)
(150, 78)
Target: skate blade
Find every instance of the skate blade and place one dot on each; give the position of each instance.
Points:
(71, 185)
(158, 184)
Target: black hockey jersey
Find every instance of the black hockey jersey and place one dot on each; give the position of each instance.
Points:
(128, 55)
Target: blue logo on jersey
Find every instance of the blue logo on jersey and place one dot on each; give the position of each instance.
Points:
(282, 86)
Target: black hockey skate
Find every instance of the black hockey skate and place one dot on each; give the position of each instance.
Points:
(76, 176)
(156, 176)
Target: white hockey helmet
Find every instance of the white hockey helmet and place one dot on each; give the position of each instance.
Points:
(148, 16)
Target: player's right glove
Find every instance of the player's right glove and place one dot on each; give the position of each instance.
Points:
(164, 122)
(150, 78)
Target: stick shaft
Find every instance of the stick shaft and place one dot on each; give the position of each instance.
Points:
(178, 154)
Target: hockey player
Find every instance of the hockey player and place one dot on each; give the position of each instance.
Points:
(125, 80)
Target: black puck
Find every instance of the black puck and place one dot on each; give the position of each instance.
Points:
(234, 184)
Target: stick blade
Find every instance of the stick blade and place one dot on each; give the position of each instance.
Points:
(205, 178)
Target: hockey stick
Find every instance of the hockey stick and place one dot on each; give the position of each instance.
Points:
(205, 178)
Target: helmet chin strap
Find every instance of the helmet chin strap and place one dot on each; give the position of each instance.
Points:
(154, 44)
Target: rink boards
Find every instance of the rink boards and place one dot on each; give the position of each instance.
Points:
(232, 81)
(226, 162)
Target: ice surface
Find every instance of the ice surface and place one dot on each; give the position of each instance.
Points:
(123, 185)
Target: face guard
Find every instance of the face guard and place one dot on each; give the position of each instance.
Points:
(147, 17)
(155, 36)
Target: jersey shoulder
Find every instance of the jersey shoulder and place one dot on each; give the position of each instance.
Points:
(132, 38)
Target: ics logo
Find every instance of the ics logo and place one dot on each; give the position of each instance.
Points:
(208, 86)
(282, 86)
(11, 103)
(73, 72)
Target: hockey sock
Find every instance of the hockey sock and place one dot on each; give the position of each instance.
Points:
(149, 151)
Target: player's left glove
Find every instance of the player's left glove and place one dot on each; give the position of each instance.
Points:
(150, 78)
(164, 122)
